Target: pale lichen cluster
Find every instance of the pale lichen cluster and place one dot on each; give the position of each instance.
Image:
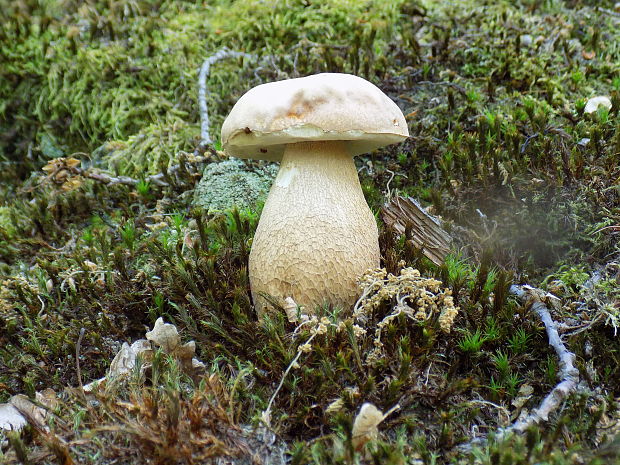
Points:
(417, 298)
(11, 285)
(232, 183)
(409, 294)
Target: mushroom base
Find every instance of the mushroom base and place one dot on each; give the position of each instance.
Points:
(316, 235)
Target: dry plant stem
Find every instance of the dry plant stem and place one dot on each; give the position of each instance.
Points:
(267, 413)
(78, 347)
(569, 374)
(156, 179)
(111, 180)
(202, 89)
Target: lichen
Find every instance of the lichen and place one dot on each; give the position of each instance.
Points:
(232, 184)
(410, 295)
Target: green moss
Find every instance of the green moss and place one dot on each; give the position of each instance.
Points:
(500, 148)
(7, 222)
(100, 72)
(276, 27)
(155, 146)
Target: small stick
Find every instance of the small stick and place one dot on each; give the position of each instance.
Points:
(155, 179)
(569, 374)
(202, 90)
(78, 346)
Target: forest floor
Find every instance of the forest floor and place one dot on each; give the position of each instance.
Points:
(503, 148)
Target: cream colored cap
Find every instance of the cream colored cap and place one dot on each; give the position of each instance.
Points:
(328, 106)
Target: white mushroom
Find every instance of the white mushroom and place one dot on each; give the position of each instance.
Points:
(316, 234)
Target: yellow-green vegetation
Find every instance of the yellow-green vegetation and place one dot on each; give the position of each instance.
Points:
(525, 180)
(83, 74)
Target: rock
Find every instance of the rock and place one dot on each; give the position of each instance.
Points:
(593, 104)
(526, 40)
(232, 183)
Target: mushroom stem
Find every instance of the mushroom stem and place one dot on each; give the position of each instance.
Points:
(316, 234)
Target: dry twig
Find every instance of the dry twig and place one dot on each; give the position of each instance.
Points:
(205, 138)
(63, 167)
(569, 374)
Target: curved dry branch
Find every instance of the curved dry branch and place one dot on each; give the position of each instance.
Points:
(205, 138)
(569, 374)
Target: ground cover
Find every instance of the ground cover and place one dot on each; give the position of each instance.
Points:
(525, 181)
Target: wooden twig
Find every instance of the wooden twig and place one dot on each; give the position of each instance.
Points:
(569, 374)
(106, 178)
(159, 179)
(205, 138)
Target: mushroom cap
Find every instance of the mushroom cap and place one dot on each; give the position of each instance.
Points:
(321, 107)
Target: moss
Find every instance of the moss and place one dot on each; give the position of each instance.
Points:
(276, 27)
(500, 148)
(7, 222)
(93, 73)
(146, 152)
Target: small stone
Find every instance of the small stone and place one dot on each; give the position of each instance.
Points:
(526, 40)
(594, 103)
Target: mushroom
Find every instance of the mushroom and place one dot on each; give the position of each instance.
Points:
(316, 234)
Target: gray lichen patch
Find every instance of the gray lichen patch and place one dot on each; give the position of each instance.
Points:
(233, 183)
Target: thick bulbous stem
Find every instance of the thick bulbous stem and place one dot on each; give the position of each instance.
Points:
(316, 234)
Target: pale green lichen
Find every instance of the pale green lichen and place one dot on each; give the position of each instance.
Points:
(231, 184)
